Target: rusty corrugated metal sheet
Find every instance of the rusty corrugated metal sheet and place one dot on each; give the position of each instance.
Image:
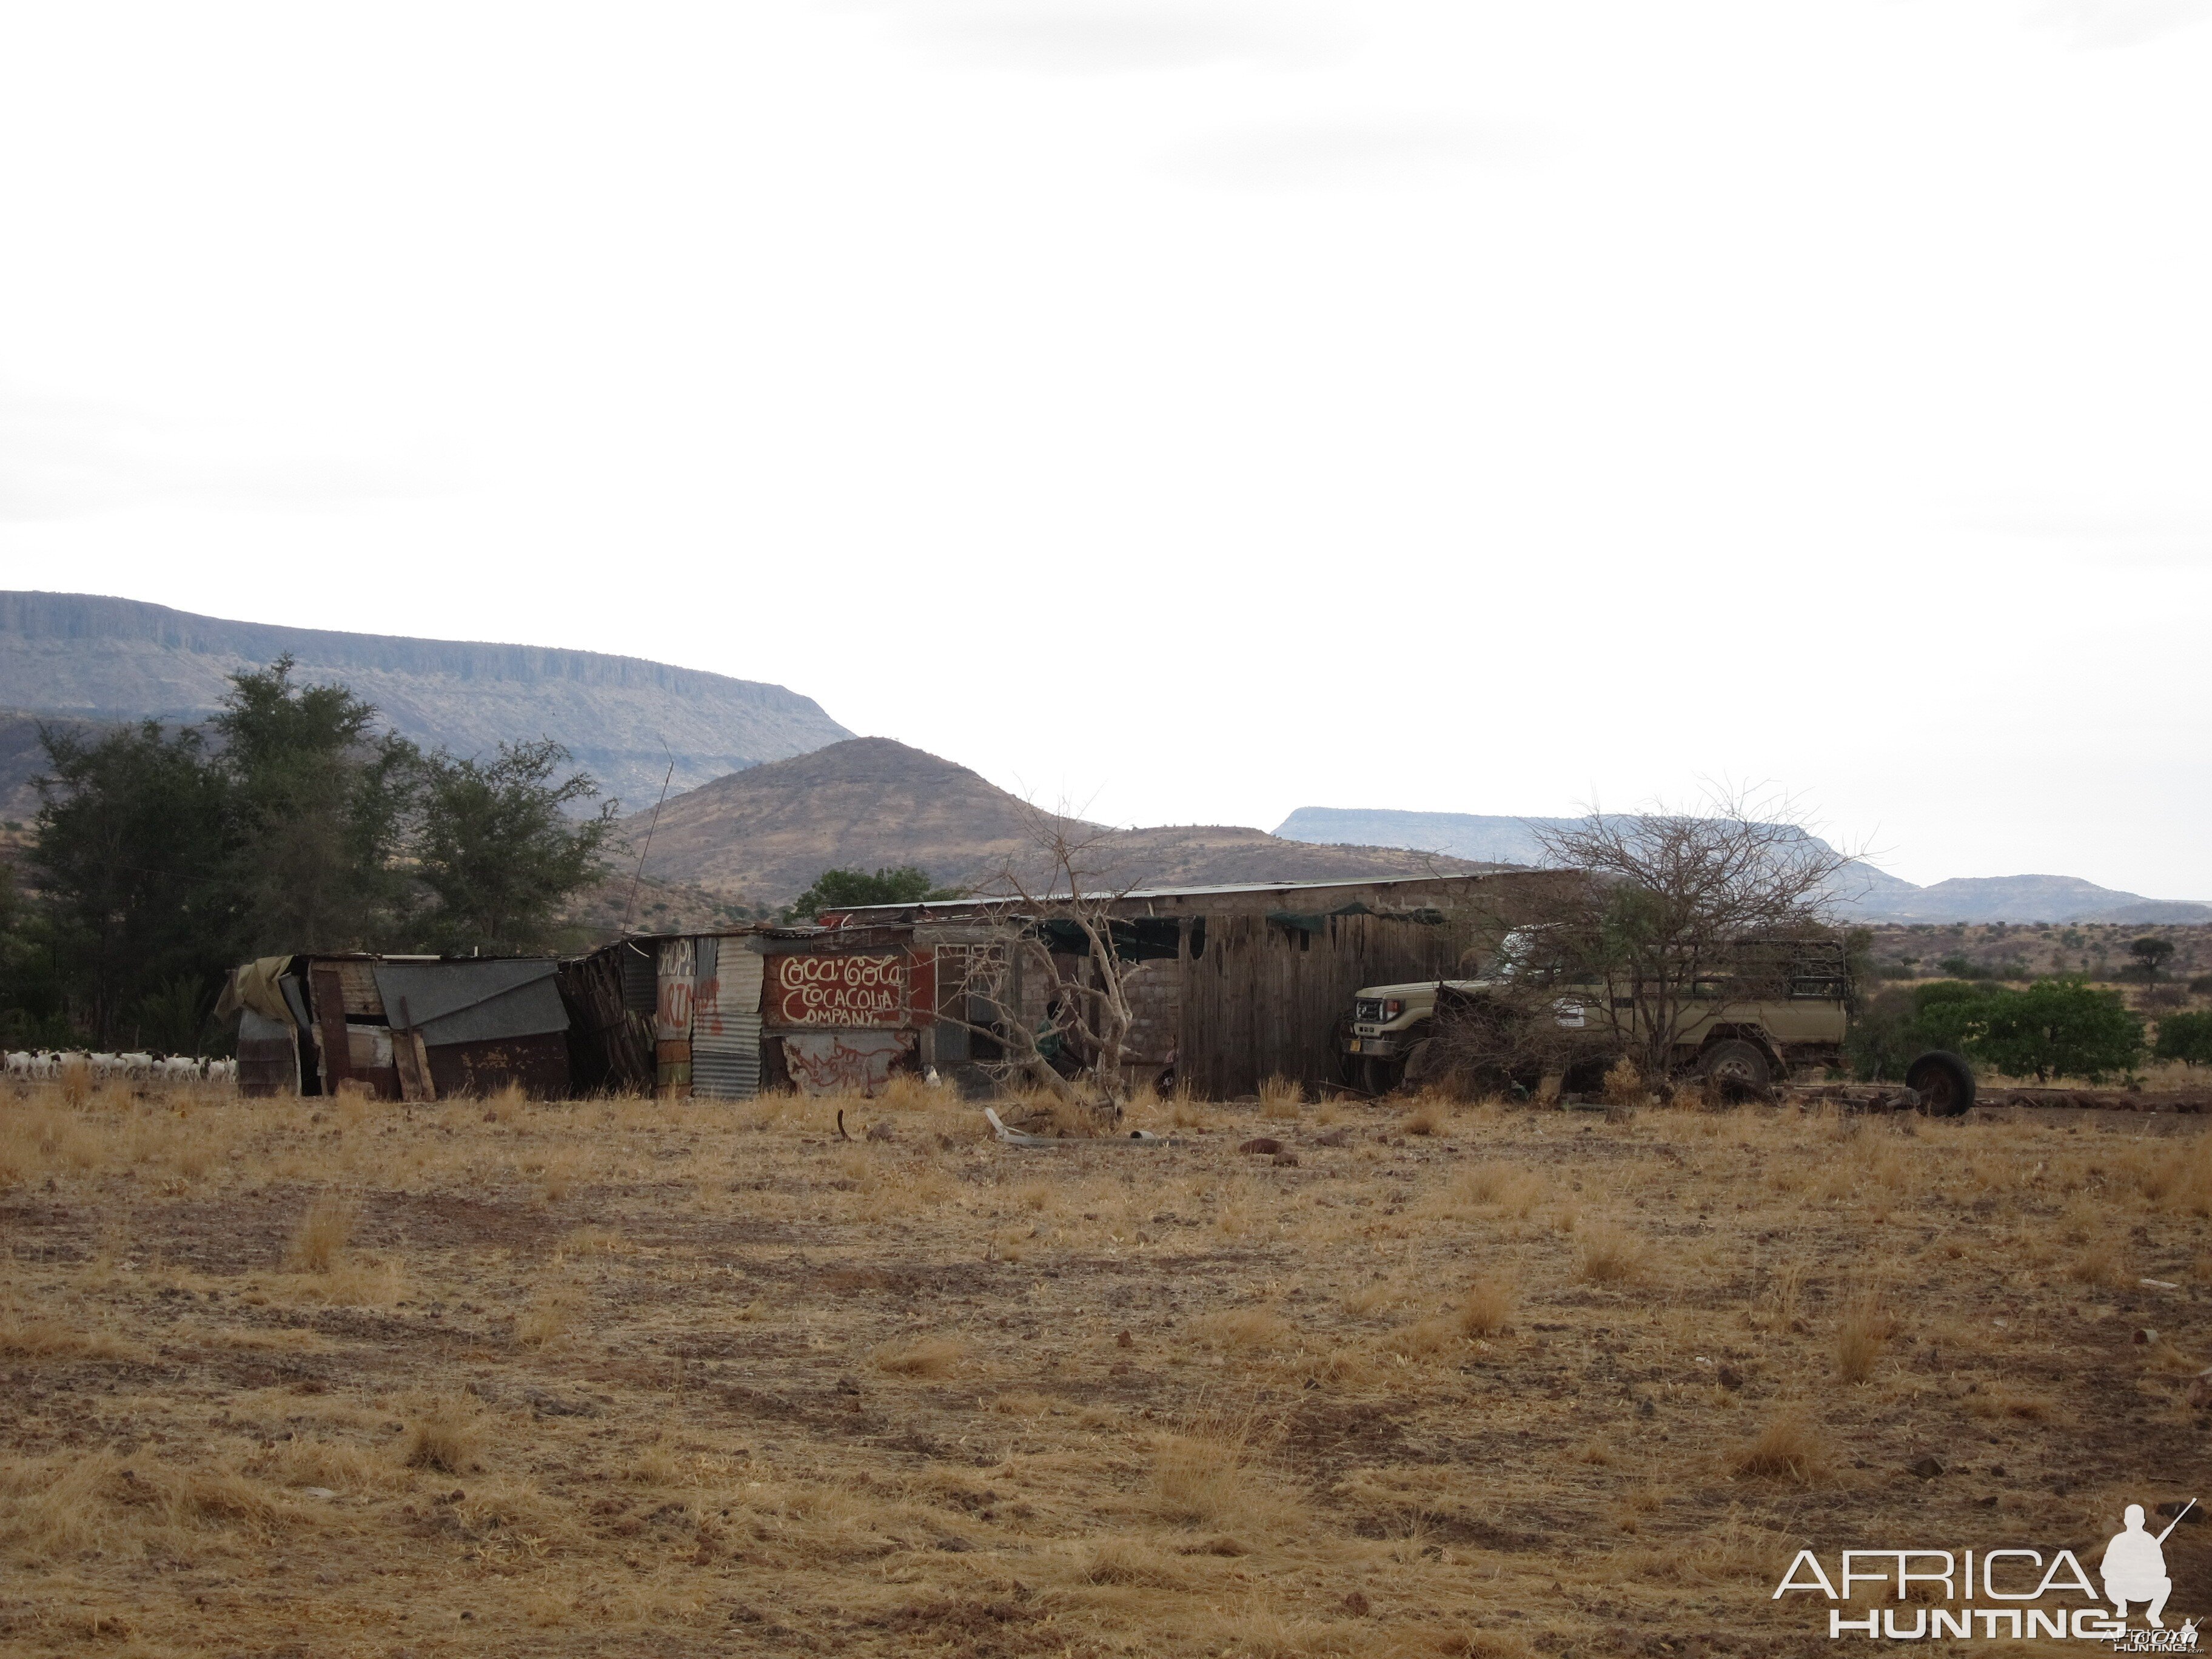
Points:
(537, 1061)
(726, 1021)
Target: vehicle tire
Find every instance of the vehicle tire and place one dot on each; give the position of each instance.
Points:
(1944, 1082)
(1586, 1077)
(1419, 1060)
(1379, 1076)
(1736, 1067)
(1348, 1063)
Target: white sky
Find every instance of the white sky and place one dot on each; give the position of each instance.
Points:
(1189, 407)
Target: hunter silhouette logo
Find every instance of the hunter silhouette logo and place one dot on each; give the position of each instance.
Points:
(2133, 1570)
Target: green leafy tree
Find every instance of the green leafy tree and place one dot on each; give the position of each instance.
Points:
(323, 802)
(843, 889)
(135, 833)
(176, 1017)
(2186, 1037)
(1900, 1025)
(2059, 1028)
(499, 850)
(2150, 953)
(32, 1009)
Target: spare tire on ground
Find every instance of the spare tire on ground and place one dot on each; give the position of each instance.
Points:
(1944, 1082)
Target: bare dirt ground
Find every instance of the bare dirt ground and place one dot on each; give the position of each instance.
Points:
(612, 1377)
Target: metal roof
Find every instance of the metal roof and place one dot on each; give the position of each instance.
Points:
(472, 1001)
(1223, 889)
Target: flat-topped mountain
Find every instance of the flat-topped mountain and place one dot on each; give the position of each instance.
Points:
(112, 659)
(765, 834)
(1866, 894)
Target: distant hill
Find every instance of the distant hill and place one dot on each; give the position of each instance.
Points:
(763, 834)
(107, 659)
(1869, 894)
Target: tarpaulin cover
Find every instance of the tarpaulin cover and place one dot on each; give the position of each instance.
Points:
(1137, 938)
(472, 1001)
(253, 984)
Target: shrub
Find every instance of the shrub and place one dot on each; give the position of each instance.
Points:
(2054, 1028)
(2186, 1037)
(2059, 1028)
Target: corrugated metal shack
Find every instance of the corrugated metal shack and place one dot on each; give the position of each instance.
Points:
(402, 1027)
(1244, 982)
(825, 1010)
(1233, 984)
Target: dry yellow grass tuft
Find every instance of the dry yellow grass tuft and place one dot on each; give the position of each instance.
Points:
(1427, 1118)
(2180, 1178)
(1487, 1307)
(447, 1435)
(1786, 1447)
(1865, 1331)
(1279, 1098)
(1607, 1254)
(2099, 1263)
(923, 1357)
(2004, 1401)
(551, 1311)
(1249, 1328)
(1507, 1187)
(37, 1337)
(322, 1234)
(1207, 1479)
(1131, 1561)
(1623, 1083)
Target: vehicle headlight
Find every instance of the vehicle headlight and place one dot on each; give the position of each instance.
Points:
(1392, 1008)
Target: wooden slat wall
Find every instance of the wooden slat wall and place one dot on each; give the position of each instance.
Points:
(1258, 1003)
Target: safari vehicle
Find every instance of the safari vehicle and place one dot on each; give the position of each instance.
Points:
(1782, 1006)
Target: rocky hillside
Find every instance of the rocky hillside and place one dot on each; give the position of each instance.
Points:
(762, 835)
(108, 659)
(1866, 893)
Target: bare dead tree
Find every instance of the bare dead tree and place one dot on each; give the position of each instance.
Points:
(1056, 982)
(1669, 909)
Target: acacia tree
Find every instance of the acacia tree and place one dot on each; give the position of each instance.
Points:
(1674, 906)
(2150, 953)
(160, 858)
(134, 837)
(498, 849)
(323, 802)
(844, 890)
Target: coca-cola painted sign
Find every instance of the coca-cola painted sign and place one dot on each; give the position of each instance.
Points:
(841, 990)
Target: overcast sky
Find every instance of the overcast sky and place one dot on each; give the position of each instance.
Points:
(1189, 408)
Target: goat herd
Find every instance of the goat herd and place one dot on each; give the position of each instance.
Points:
(131, 1067)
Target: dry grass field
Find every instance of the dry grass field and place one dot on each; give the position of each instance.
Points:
(340, 1377)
